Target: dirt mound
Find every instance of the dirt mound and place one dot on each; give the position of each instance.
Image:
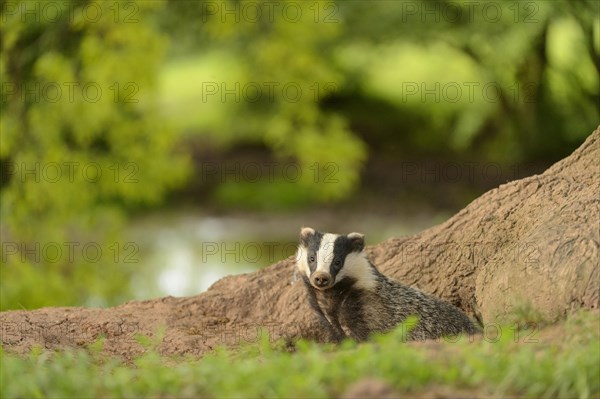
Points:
(533, 242)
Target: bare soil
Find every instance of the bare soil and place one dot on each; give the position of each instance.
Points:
(532, 243)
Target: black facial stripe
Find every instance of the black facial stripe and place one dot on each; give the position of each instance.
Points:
(342, 246)
(313, 246)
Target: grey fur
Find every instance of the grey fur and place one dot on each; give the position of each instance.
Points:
(347, 310)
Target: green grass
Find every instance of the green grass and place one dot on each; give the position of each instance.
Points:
(563, 364)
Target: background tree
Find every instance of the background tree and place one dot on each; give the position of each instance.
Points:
(498, 70)
(81, 143)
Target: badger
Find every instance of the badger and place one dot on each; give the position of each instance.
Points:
(352, 299)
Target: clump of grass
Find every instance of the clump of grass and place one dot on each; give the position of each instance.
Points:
(565, 367)
(525, 316)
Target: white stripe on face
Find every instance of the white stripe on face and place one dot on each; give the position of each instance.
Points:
(301, 261)
(325, 253)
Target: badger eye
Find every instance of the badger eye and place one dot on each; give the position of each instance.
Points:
(311, 259)
(337, 263)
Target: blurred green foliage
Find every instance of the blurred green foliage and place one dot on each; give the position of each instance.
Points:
(81, 143)
(503, 81)
(267, 80)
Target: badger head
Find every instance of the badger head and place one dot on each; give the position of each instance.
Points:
(326, 259)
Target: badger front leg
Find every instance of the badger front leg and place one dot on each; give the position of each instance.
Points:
(333, 333)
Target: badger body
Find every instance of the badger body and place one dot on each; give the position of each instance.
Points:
(353, 299)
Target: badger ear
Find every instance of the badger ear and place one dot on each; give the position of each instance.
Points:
(357, 241)
(305, 234)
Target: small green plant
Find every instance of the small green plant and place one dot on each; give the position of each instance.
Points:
(524, 316)
(567, 365)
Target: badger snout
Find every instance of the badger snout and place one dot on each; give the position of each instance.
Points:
(321, 280)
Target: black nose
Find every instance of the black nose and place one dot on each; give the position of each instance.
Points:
(321, 279)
